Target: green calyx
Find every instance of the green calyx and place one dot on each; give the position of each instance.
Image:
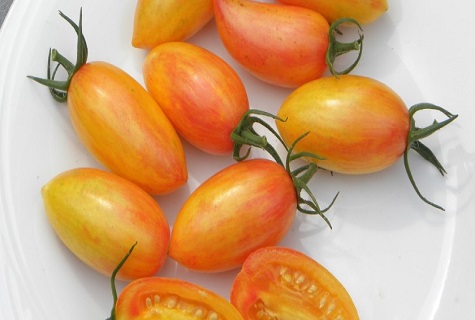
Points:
(413, 142)
(336, 48)
(246, 135)
(114, 274)
(59, 89)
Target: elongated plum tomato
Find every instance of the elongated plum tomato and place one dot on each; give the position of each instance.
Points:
(248, 205)
(358, 125)
(99, 215)
(201, 94)
(285, 284)
(160, 21)
(364, 11)
(168, 298)
(280, 44)
(119, 122)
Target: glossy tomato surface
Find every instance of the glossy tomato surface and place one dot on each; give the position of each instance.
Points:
(124, 128)
(201, 94)
(174, 299)
(285, 284)
(248, 205)
(280, 44)
(160, 21)
(364, 11)
(99, 216)
(359, 125)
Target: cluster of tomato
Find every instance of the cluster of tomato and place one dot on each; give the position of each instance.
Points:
(191, 92)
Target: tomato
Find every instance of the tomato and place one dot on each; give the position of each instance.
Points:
(280, 44)
(99, 215)
(248, 205)
(160, 21)
(120, 123)
(364, 11)
(201, 94)
(357, 124)
(282, 283)
(168, 298)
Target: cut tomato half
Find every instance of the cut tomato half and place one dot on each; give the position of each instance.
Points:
(282, 283)
(168, 298)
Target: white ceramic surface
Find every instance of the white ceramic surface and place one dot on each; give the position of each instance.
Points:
(398, 257)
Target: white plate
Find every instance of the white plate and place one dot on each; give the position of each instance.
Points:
(398, 257)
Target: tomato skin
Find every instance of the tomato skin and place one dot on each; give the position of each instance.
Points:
(280, 44)
(289, 285)
(123, 128)
(364, 11)
(248, 205)
(168, 298)
(160, 21)
(99, 215)
(358, 124)
(201, 94)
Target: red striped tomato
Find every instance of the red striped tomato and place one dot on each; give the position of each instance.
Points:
(200, 93)
(248, 205)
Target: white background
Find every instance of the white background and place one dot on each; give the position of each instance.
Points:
(397, 257)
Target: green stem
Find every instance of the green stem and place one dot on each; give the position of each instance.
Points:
(336, 48)
(59, 89)
(114, 274)
(415, 134)
(244, 134)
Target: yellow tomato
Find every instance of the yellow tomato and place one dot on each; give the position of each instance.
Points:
(99, 216)
(159, 21)
(364, 11)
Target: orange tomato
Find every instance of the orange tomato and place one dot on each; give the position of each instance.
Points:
(364, 11)
(282, 283)
(99, 215)
(160, 21)
(168, 298)
(357, 124)
(201, 94)
(119, 122)
(248, 205)
(279, 44)
(124, 128)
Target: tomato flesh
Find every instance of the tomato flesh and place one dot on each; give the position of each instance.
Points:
(168, 298)
(282, 283)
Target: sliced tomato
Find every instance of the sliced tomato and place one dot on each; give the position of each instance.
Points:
(282, 283)
(168, 298)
